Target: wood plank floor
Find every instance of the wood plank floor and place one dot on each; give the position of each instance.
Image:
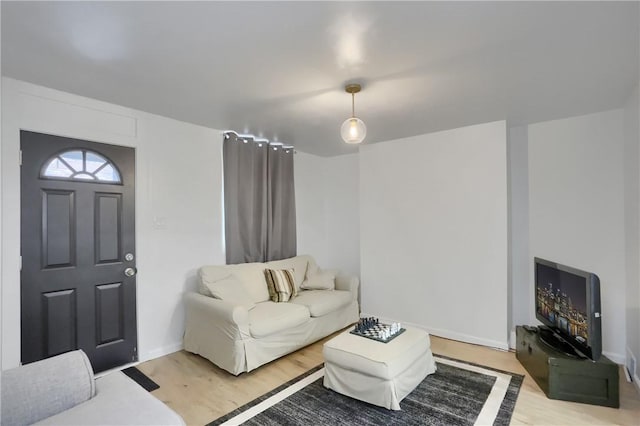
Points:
(200, 392)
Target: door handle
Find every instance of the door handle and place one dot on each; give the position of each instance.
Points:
(130, 272)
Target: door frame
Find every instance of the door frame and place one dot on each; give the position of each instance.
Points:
(18, 221)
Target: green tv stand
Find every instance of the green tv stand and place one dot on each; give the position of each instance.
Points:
(563, 377)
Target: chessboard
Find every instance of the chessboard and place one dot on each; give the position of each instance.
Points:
(375, 330)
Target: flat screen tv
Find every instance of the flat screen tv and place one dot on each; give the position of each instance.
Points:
(568, 302)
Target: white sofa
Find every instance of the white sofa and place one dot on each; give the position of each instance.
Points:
(61, 390)
(240, 335)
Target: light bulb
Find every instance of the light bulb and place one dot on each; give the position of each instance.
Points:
(353, 130)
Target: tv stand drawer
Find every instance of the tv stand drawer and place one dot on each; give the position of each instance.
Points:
(566, 378)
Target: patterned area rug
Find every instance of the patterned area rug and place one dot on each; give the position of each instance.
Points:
(459, 393)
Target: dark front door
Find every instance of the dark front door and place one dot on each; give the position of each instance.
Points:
(78, 284)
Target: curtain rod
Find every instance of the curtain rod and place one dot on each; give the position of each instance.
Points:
(226, 133)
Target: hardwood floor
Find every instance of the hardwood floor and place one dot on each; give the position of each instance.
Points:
(201, 392)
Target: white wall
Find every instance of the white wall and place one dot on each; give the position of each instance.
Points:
(342, 211)
(576, 208)
(311, 229)
(632, 230)
(178, 203)
(433, 232)
(518, 229)
(327, 210)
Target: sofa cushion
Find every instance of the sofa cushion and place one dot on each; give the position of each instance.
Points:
(209, 275)
(298, 264)
(119, 401)
(280, 284)
(250, 274)
(269, 318)
(231, 290)
(312, 266)
(324, 280)
(322, 302)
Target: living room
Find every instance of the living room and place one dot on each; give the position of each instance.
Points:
(459, 184)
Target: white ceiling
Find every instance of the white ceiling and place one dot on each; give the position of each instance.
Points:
(277, 69)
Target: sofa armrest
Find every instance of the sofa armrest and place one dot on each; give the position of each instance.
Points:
(349, 283)
(208, 312)
(44, 388)
(217, 330)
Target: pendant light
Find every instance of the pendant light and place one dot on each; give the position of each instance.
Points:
(353, 130)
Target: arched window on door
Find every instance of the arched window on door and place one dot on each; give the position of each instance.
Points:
(81, 165)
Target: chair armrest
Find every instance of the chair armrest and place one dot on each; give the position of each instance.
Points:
(209, 312)
(44, 388)
(349, 283)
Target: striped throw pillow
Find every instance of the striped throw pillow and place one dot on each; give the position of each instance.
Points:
(281, 284)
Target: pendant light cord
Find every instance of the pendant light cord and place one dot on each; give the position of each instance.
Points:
(353, 105)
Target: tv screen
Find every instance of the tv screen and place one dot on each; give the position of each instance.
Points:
(568, 301)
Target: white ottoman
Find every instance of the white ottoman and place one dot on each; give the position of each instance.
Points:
(378, 373)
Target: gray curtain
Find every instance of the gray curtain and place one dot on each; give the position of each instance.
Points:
(281, 204)
(259, 200)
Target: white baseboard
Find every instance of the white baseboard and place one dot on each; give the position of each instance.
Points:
(636, 382)
(615, 357)
(448, 334)
(147, 356)
(162, 351)
(119, 368)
